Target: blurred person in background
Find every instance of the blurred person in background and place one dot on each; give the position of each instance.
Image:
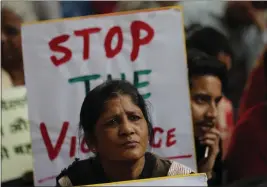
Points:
(259, 181)
(137, 5)
(207, 80)
(210, 41)
(104, 7)
(46, 10)
(76, 8)
(242, 22)
(213, 43)
(13, 14)
(256, 88)
(247, 155)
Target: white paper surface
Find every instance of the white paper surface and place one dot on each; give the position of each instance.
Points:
(15, 133)
(188, 180)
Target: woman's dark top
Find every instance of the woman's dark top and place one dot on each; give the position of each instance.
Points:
(25, 180)
(90, 171)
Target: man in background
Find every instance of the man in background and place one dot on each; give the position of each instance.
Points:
(212, 42)
(207, 80)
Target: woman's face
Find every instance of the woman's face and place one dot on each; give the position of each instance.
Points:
(121, 132)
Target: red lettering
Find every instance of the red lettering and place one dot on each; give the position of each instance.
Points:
(53, 151)
(110, 53)
(160, 130)
(170, 135)
(72, 146)
(136, 28)
(85, 33)
(84, 147)
(55, 46)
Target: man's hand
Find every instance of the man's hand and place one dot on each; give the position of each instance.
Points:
(210, 139)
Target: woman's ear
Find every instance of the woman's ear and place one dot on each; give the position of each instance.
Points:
(90, 142)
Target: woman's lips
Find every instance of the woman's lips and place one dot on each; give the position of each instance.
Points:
(130, 144)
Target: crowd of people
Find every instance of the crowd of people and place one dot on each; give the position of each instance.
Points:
(227, 73)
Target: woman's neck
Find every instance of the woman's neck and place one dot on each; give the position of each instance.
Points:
(123, 170)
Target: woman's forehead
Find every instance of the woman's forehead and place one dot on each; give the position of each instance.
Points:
(119, 103)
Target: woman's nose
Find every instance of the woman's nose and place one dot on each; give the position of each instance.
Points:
(126, 128)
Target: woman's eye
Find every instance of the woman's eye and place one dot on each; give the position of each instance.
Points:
(134, 118)
(112, 122)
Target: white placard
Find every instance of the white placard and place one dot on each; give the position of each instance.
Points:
(147, 49)
(185, 180)
(15, 133)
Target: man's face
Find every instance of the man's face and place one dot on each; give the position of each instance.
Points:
(11, 39)
(206, 93)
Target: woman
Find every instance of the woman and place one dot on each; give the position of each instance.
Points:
(117, 127)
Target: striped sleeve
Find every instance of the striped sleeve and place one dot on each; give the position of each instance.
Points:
(179, 169)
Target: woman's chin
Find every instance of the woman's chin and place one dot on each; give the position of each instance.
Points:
(132, 155)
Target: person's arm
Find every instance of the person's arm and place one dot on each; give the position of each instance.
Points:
(217, 173)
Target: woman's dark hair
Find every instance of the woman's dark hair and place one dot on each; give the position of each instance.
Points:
(201, 64)
(94, 102)
(210, 41)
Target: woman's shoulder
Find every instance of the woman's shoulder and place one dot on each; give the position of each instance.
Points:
(75, 173)
(177, 168)
(173, 167)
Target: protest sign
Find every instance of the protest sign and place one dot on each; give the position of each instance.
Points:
(179, 180)
(15, 132)
(66, 58)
